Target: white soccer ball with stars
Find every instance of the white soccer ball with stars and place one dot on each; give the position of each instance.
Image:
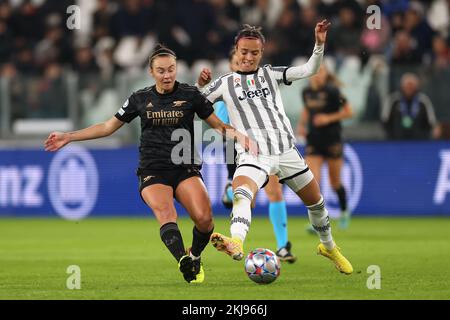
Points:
(262, 266)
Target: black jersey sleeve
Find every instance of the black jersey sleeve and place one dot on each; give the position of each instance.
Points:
(128, 111)
(303, 94)
(338, 98)
(202, 106)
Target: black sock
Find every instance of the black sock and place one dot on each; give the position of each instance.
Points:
(231, 167)
(342, 197)
(231, 164)
(199, 241)
(171, 236)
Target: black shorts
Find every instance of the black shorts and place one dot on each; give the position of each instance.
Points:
(331, 151)
(171, 178)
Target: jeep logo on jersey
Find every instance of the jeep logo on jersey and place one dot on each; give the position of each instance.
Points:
(250, 94)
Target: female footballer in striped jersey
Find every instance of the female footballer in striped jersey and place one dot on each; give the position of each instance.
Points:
(254, 105)
(273, 189)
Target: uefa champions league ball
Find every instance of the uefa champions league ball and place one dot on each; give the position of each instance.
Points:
(262, 266)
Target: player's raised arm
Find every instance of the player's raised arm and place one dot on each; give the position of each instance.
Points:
(57, 140)
(312, 66)
(203, 78)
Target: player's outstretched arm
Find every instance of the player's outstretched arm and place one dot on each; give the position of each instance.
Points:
(57, 140)
(231, 133)
(312, 66)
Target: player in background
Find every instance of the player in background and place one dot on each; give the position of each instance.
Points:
(320, 123)
(254, 105)
(273, 189)
(166, 110)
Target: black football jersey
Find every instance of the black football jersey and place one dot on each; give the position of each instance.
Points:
(167, 125)
(325, 100)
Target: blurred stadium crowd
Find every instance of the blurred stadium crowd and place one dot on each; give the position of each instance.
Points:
(49, 71)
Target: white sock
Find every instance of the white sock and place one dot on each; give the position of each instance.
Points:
(318, 216)
(241, 216)
(193, 257)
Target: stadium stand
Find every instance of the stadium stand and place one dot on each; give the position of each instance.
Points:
(82, 76)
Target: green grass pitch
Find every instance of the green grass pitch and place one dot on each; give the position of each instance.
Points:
(125, 259)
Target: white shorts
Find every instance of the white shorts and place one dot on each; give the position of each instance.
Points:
(290, 167)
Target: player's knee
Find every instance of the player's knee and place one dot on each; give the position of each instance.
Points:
(242, 194)
(317, 206)
(204, 223)
(164, 211)
(275, 195)
(202, 217)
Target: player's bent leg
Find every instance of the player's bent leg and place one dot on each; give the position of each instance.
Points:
(318, 215)
(193, 196)
(191, 193)
(307, 188)
(244, 189)
(315, 162)
(159, 198)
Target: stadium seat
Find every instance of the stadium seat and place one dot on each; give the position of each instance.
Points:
(103, 108)
(356, 82)
(222, 67)
(184, 73)
(131, 53)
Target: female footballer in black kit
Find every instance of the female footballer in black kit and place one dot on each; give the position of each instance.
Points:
(164, 174)
(320, 123)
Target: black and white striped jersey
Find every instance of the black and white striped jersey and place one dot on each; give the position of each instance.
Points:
(254, 102)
